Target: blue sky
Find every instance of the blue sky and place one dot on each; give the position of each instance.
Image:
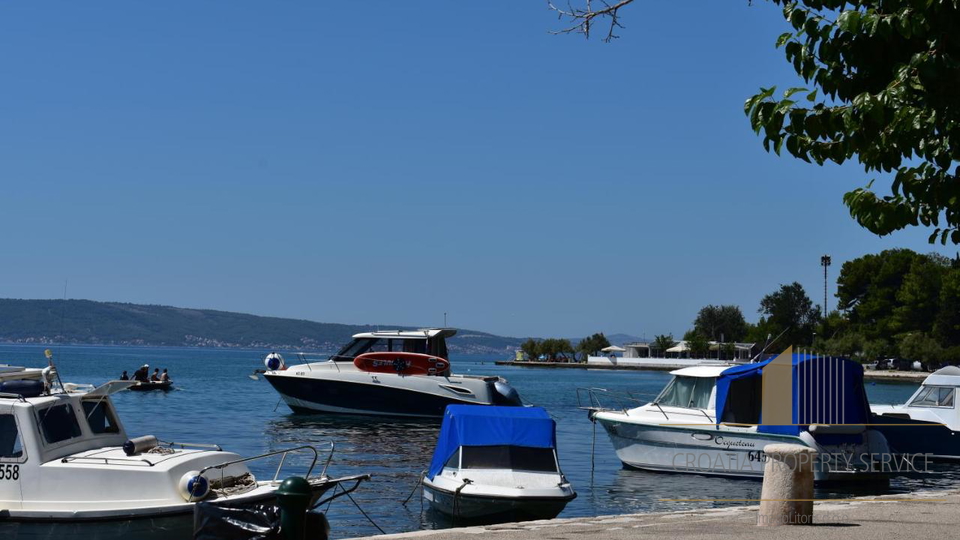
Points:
(384, 162)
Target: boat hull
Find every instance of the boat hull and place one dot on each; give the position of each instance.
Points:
(151, 386)
(709, 451)
(325, 395)
(493, 509)
(909, 436)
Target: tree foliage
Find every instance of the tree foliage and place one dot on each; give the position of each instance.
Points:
(883, 77)
(713, 322)
(790, 311)
(663, 342)
(593, 344)
(881, 80)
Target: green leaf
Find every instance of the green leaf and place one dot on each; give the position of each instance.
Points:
(849, 21)
(812, 95)
(793, 91)
(783, 39)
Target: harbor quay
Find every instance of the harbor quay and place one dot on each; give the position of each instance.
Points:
(923, 514)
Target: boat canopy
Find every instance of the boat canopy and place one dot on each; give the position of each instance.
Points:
(482, 425)
(825, 390)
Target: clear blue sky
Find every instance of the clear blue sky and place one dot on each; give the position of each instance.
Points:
(384, 162)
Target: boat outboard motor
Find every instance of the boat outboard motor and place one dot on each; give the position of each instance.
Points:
(506, 394)
(274, 362)
(137, 445)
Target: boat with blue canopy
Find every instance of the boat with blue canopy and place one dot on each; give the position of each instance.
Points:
(717, 419)
(497, 464)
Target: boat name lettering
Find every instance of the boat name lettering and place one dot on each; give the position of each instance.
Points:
(9, 472)
(743, 444)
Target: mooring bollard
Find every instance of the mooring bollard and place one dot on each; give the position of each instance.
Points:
(293, 498)
(787, 493)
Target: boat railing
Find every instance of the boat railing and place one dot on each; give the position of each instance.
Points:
(283, 456)
(186, 445)
(601, 399)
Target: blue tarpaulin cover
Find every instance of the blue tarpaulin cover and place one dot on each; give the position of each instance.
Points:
(825, 391)
(482, 425)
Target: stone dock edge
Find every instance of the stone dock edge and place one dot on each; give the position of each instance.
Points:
(921, 514)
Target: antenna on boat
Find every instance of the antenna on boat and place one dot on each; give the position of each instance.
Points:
(444, 319)
(49, 354)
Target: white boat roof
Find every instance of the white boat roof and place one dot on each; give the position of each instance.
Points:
(947, 376)
(710, 370)
(423, 333)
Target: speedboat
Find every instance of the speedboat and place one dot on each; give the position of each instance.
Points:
(68, 467)
(716, 420)
(929, 422)
(497, 464)
(386, 373)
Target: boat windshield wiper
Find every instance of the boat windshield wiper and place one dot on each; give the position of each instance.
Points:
(661, 410)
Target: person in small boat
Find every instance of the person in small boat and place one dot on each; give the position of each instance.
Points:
(165, 377)
(142, 374)
(124, 376)
(156, 375)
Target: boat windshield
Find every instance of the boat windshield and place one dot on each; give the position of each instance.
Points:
(687, 392)
(519, 458)
(59, 423)
(368, 345)
(934, 396)
(10, 446)
(100, 416)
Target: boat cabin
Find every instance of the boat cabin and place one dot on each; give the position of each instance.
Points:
(430, 341)
(938, 390)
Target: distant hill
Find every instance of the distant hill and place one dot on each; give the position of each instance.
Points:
(112, 323)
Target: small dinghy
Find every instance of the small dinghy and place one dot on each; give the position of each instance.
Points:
(497, 464)
(146, 386)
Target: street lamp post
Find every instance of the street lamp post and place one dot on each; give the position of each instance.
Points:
(825, 262)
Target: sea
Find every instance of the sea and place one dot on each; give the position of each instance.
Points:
(216, 401)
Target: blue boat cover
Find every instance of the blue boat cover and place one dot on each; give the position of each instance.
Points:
(826, 390)
(483, 425)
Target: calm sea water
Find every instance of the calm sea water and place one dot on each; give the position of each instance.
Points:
(216, 402)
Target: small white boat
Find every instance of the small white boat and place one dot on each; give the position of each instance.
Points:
(497, 464)
(709, 420)
(929, 422)
(67, 467)
(385, 373)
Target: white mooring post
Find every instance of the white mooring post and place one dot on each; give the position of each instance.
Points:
(787, 494)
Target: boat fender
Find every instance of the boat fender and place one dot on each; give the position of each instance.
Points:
(193, 487)
(274, 362)
(137, 445)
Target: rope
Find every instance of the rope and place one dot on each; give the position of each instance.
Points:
(593, 448)
(365, 514)
(456, 497)
(419, 481)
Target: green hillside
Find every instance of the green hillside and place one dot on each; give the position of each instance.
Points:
(112, 323)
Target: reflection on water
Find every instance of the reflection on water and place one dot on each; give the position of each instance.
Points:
(215, 402)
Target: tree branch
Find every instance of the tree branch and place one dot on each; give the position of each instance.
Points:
(582, 18)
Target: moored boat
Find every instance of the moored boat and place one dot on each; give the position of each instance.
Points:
(386, 373)
(497, 464)
(716, 420)
(70, 469)
(929, 422)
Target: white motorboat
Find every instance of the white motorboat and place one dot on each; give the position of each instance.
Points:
(386, 373)
(929, 422)
(67, 467)
(497, 464)
(709, 420)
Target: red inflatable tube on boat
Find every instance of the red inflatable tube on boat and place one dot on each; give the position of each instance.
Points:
(401, 363)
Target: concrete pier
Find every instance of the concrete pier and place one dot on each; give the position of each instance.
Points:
(918, 516)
